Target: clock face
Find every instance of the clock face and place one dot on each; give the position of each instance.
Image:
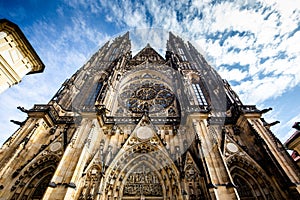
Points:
(147, 97)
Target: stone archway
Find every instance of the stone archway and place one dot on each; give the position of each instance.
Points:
(34, 179)
(245, 190)
(247, 186)
(35, 185)
(251, 181)
(142, 175)
(41, 186)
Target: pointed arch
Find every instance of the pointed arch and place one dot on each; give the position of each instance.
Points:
(159, 165)
(199, 91)
(251, 180)
(245, 189)
(35, 178)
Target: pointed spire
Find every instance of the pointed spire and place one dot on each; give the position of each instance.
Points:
(171, 35)
(126, 35)
(148, 53)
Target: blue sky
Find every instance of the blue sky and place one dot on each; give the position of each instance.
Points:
(252, 44)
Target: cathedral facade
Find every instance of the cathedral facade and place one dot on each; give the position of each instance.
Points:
(146, 127)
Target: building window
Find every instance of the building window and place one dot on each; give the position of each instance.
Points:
(93, 94)
(113, 54)
(181, 52)
(199, 94)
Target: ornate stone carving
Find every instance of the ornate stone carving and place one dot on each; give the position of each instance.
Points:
(146, 96)
(142, 181)
(55, 146)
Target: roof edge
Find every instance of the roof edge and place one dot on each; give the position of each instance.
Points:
(10, 27)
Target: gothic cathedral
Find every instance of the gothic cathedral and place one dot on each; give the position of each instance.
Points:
(146, 127)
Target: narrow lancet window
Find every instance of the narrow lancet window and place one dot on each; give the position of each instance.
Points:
(199, 94)
(93, 94)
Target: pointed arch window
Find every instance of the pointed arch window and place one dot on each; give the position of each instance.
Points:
(93, 94)
(199, 94)
(113, 54)
(181, 52)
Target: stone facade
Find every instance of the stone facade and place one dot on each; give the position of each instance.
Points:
(17, 56)
(146, 127)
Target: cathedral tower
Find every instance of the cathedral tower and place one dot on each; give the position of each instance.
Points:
(146, 127)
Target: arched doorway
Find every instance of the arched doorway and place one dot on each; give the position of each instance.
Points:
(34, 179)
(41, 187)
(251, 181)
(244, 189)
(147, 176)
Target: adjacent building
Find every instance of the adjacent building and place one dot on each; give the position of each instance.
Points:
(145, 126)
(293, 143)
(17, 56)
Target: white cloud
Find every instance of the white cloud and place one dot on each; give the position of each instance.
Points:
(258, 90)
(234, 74)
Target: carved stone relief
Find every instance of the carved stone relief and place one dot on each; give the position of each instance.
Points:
(142, 181)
